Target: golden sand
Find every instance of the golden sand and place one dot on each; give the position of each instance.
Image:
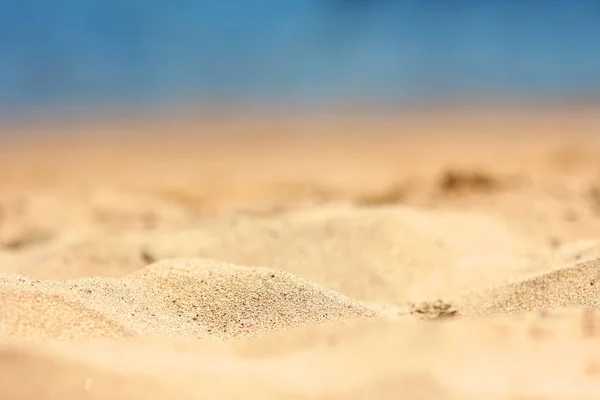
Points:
(372, 257)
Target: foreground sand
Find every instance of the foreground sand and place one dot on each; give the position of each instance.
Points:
(444, 258)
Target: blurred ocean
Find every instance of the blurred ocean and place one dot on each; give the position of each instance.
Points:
(89, 52)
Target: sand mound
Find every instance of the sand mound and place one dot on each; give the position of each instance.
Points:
(178, 298)
(231, 301)
(34, 315)
(41, 310)
(368, 254)
(572, 287)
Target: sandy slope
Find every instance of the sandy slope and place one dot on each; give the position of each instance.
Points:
(455, 259)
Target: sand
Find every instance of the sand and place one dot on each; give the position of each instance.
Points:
(329, 257)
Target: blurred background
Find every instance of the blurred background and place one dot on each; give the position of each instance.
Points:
(265, 105)
(73, 55)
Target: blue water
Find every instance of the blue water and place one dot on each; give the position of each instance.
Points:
(74, 52)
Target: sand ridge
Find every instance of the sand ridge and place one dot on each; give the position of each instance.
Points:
(569, 287)
(174, 297)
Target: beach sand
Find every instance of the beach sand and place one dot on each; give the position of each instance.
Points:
(432, 256)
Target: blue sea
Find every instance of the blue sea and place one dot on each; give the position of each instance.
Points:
(68, 53)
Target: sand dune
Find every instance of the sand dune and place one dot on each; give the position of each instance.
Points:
(229, 301)
(569, 287)
(305, 264)
(363, 253)
(368, 254)
(173, 298)
(33, 314)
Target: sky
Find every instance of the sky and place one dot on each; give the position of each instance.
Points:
(148, 52)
